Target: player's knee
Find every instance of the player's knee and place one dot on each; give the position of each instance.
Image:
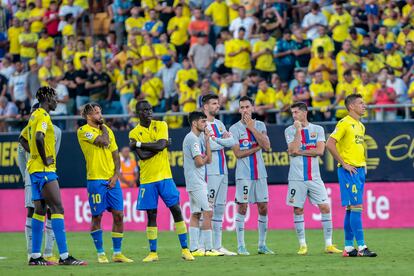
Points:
(176, 213)
(207, 215)
(242, 209)
(262, 209)
(152, 217)
(324, 208)
(118, 218)
(57, 209)
(298, 211)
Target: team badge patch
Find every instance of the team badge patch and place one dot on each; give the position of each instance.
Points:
(313, 135)
(196, 147)
(44, 125)
(89, 135)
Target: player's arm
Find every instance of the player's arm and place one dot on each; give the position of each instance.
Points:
(24, 143)
(331, 145)
(261, 136)
(200, 159)
(156, 147)
(40, 144)
(142, 154)
(295, 144)
(244, 153)
(318, 151)
(117, 163)
(103, 139)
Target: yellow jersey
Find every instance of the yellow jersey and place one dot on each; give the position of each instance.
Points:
(152, 64)
(341, 58)
(44, 44)
(37, 26)
(45, 73)
(22, 15)
(349, 135)
(325, 42)
(27, 52)
(228, 60)
(189, 94)
(233, 13)
(367, 91)
(13, 36)
(345, 89)
(77, 59)
(411, 94)
(395, 61)
(406, 10)
(152, 89)
(184, 75)
(265, 62)
(374, 66)
(402, 38)
(186, 7)
(99, 161)
(173, 121)
(40, 122)
(356, 43)
(340, 32)
(265, 97)
(315, 62)
(242, 60)
(316, 89)
(282, 99)
(156, 168)
(382, 40)
(219, 13)
(68, 30)
(130, 88)
(135, 23)
(179, 26)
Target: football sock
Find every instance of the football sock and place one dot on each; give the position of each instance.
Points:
(327, 228)
(97, 240)
(200, 238)
(117, 241)
(181, 230)
(349, 235)
(207, 238)
(194, 237)
(49, 238)
(240, 229)
(217, 225)
(152, 234)
(38, 222)
(28, 234)
(58, 226)
(262, 222)
(356, 225)
(300, 229)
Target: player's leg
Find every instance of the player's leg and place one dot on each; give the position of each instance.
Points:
(49, 240)
(259, 194)
(194, 230)
(28, 230)
(242, 196)
(296, 197)
(51, 194)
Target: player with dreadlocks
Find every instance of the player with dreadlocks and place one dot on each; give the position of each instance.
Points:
(45, 187)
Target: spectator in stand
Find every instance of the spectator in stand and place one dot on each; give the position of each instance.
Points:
(339, 24)
(218, 12)
(82, 94)
(69, 80)
(36, 15)
(98, 85)
(134, 26)
(302, 50)
(385, 95)
(121, 10)
(22, 13)
(247, 22)
(28, 43)
(7, 67)
(356, 40)
(263, 55)
(344, 88)
(18, 84)
(129, 169)
(407, 12)
(323, 41)
(393, 59)
(408, 60)
(313, 20)
(62, 96)
(45, 42)
(8, 110)
(99, 51)
(283, 101)
(51, 21)
(201, 56)
(251, 85)
(152, 90)
(239, 50)
(168, 74)
(384, 37)
(80, 52)
(3, 85)
(272, 22)
(174, 121)
(150, 54)
(398, 85)
(345, 59)
(411, 96)
(284, 56)
(127, 84)
(321, 92)
(198, 25)
(154, 27)
(406, 34)
(188, 97)
(49, 70)
(229, 94)
(13, 34)
(301, 90)
(185, 74)
(265, 100)
(33, 82)
(177, 30)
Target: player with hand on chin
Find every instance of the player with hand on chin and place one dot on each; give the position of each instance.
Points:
(306, 142)
(99, 147)
(251, 177)
(346, 144)
(45, 187)
(149, 140)
(197, 154)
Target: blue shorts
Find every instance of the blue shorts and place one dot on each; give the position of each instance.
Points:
(148, 194)
(372, 9)
(352, 186)
(39, 180)
(101, 198)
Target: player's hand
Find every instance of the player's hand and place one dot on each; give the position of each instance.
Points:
(297, 125)
(250, 123)
(207, 134)
(49, 161)
(351, 169)
(226, 135)
(112, 182)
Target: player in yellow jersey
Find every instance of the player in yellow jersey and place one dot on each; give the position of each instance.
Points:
(45, 187)
(149, 140)
(99, 147)
(346, 144)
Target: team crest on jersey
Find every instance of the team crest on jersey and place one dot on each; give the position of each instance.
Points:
(245, 143)
(89, 135)
(313, 135)
(44, 125)
(196, 147)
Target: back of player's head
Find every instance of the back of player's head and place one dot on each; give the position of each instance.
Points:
(206, 99)
(139, 105)
(88, 109)
(350, 99)
(246, 98)
(195, 116)
(300, 105)
(45, 94)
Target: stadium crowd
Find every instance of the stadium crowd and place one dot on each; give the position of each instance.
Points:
(173, 52)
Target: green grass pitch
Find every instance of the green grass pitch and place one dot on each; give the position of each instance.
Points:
(394, 247)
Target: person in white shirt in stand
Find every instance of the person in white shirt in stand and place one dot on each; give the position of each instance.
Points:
(62, 98)
(244, 21)
(313, 20)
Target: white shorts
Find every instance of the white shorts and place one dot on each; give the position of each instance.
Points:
(28, 202)
(199, 201)
(251, 191)
(299, 190)
(217, 186)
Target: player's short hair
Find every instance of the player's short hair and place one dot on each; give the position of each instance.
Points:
(139, 103)
(195, 116)
(351, 98)
(348, 72)
(301, 105)
(88, 108)
(45, 93)
(246, 98)
(208, 97)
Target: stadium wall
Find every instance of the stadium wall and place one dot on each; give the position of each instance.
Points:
(386, 205)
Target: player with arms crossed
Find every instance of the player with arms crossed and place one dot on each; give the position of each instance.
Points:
(346, 144)
(306, 142)
(217, 174)
(195, 161)
(99, 147)
(149, 139)
(45, 187)
(23, 155)
(251, 177)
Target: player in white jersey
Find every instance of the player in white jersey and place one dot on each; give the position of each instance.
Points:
(306, 142)
(251, 178)
(22, 158)
(217, 174)
(195, 161)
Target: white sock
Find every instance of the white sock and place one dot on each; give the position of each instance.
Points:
(361, 247)
(217, 224)
(240, 229)
(28, 234)
(207, 238)
(262, 221)
(349, 248)
(300, 229)
(64, 256)
(327, 228)
(194, 233)
(49, 239)
(200, 237)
